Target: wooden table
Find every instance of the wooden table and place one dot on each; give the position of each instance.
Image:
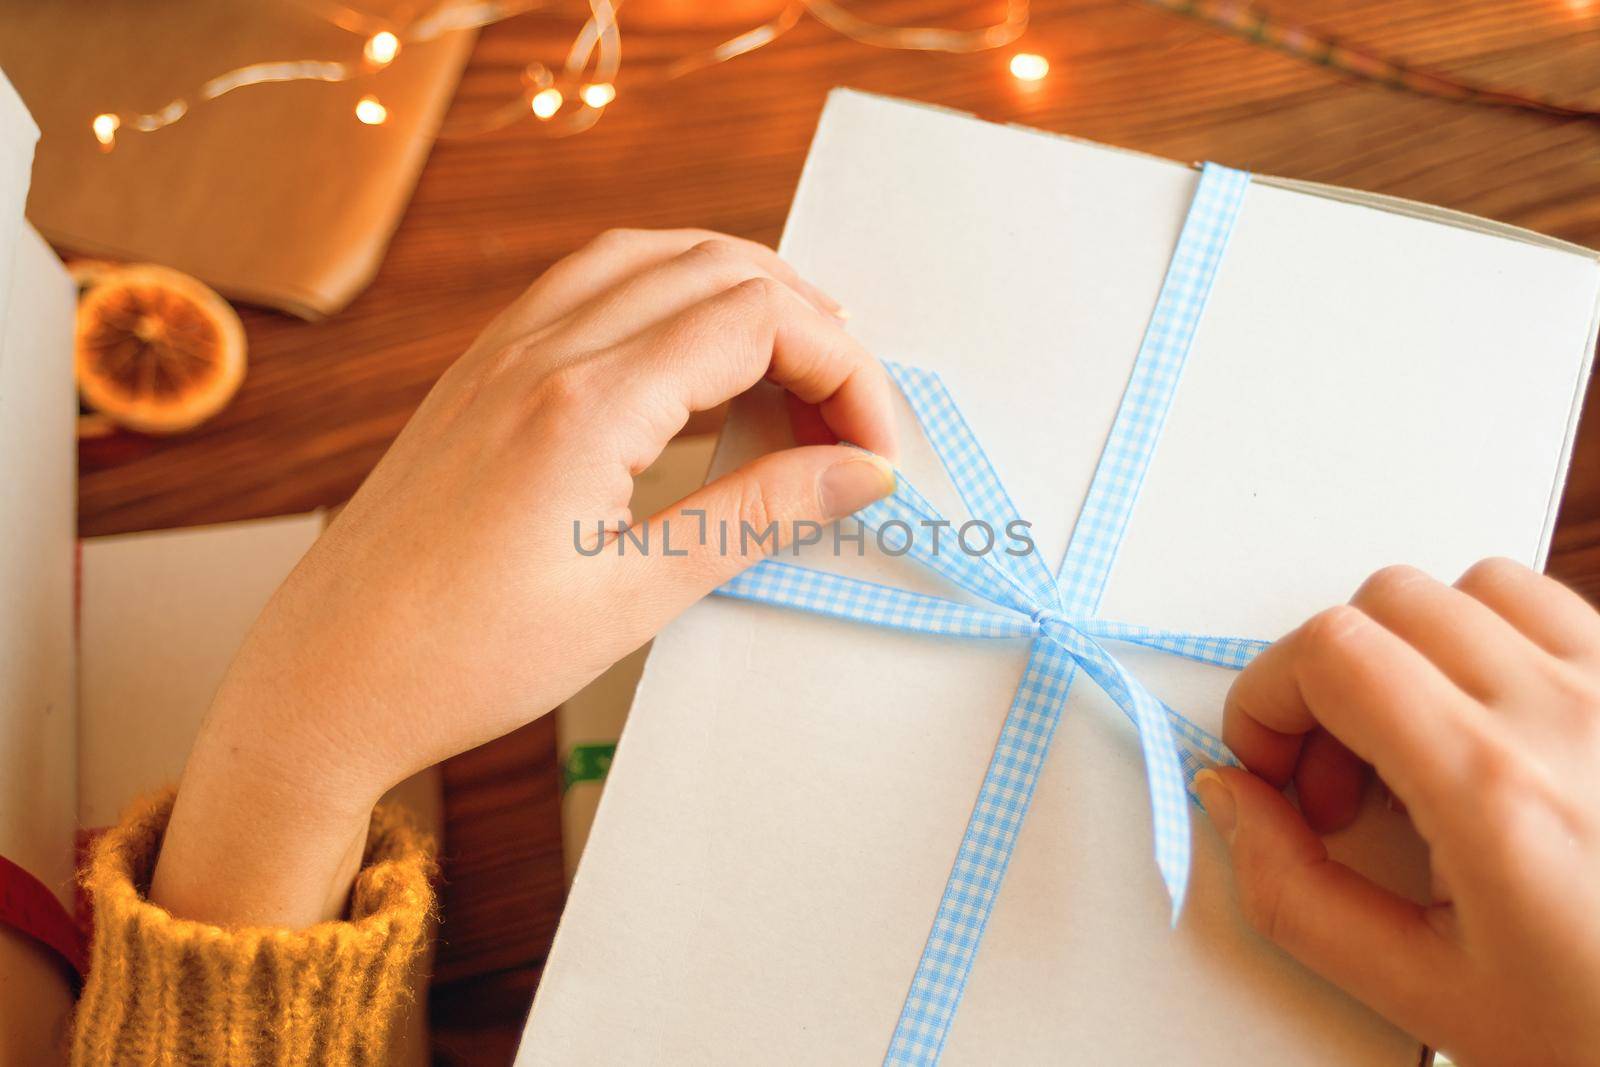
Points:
(722, 148)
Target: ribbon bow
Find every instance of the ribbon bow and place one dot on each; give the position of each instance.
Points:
(1018, 597)
(1021, 599)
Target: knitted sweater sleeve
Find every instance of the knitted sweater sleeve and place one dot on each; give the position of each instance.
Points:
(163, 990)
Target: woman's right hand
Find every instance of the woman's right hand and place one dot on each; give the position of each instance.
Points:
(1479, 706)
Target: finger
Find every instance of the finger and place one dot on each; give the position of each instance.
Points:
(1379, 696)
(1329, 782)
(1473, 646)
(1382, 948)
(616, 256)
(675, 284)
(806, 422)
(781, 499)
(1549, 614)
(720, 347)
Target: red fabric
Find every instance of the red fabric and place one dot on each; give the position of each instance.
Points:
(28, 906)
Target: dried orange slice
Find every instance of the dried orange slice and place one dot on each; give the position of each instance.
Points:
(156, 350)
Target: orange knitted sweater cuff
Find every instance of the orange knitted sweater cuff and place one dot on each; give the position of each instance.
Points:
(166, 990)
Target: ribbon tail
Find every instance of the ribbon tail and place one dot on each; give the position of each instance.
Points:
(1164, 772)
(974, 477)
(1200, 738)
(896, 519)
(1009, 590)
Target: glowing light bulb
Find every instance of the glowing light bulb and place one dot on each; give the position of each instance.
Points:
(598, 94)
(1028, 67)
(105, 129)
(371, 113)
(546, 102)
(381, 48)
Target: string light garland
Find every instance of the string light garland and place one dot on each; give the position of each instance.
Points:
(571, 98)
(563, 101)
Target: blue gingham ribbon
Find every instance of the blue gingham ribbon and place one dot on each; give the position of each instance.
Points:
(1020, 598)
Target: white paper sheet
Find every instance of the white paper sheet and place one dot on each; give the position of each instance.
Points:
(18, 135)
(162, 615)
(1367, 387)
(38, 517)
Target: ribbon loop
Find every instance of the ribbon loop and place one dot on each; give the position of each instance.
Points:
(974, 477)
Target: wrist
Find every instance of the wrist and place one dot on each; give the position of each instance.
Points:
(266, 830)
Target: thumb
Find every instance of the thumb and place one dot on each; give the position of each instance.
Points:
(1377, 946)
(771, 502)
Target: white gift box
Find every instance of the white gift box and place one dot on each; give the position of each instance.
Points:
(1373, 381)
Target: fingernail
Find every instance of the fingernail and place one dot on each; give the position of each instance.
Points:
(852, 484)
(1217, 799)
